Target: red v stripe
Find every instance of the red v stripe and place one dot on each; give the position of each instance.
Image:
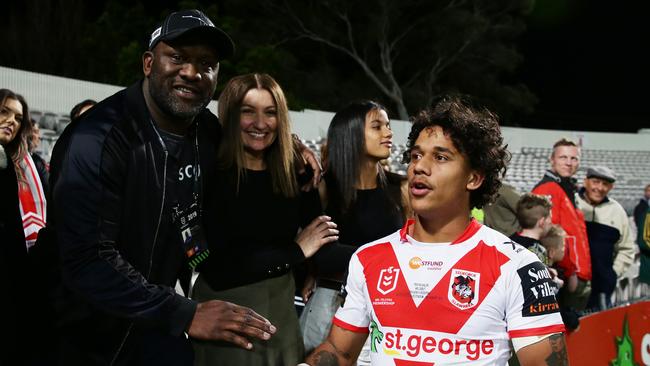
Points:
(435, 313)
(412, 363)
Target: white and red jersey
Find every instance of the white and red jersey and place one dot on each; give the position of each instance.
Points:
(447, 304)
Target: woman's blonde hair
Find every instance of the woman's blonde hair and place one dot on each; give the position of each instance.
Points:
(280, 156)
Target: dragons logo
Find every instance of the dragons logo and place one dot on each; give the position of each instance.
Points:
(463, 288)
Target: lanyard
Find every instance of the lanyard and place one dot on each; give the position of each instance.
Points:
(197, 187)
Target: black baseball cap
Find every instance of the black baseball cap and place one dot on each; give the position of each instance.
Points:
(193, 22)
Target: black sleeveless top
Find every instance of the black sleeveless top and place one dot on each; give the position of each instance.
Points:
(374, 214)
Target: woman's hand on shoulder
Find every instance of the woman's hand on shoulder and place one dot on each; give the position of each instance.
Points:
(308, 158)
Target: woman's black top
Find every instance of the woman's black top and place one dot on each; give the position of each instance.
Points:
(374, 214)
(252, 237)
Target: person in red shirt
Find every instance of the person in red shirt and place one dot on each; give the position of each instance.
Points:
(559, 184)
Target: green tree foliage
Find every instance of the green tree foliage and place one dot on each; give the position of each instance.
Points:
(100, 41)
(324, 53)
(405, 53)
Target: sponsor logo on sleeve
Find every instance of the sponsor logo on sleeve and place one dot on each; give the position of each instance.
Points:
(463, 288)
(538, 290)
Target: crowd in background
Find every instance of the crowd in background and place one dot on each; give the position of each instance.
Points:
(271, 228)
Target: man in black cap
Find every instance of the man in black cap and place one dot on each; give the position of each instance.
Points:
(608, 230)
(127, 202)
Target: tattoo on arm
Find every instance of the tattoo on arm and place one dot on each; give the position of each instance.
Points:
(345, 355)
(325, 358)
(558, 356)
(329, 358)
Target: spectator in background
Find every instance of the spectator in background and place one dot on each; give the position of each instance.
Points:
(128, 224)
(560, 185)
(538, 234)
(642, 221)
(19, 308)
(608, 230)
(40, 163)
(534, 217)
(257, 210)
(501, 215)
(16, 136)
(641, 208)
(553, 242)
(366, 201)
(81, 108)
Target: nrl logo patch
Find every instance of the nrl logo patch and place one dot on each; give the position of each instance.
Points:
(387, 280)
(463, 288)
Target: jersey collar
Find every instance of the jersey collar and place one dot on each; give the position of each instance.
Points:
(470, 230)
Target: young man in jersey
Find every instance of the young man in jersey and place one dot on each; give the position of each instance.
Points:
(445, 289)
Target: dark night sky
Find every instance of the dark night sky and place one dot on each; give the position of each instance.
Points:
(587, 61)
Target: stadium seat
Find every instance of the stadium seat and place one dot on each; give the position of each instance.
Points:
(527, 167)
(36, 115)
(48, 120)
(61, 123)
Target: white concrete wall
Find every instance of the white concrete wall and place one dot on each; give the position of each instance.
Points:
(58, 94)
(52, 93)
(519, 137)
(311, 124)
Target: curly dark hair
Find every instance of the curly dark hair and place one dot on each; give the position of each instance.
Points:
(476, 134)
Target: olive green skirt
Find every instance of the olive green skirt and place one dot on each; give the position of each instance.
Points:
(271, 298)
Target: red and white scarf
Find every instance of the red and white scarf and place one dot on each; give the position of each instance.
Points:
(32, 201)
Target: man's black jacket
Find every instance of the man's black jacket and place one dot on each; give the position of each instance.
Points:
(109, 174)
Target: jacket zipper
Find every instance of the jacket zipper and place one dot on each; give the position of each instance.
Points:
(155, 238)
(162, 204)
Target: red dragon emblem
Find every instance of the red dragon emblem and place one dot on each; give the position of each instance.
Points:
(464, 288)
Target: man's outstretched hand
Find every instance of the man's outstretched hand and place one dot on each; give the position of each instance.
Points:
(223, 321)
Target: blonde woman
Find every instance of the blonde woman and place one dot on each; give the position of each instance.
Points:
(264, 225)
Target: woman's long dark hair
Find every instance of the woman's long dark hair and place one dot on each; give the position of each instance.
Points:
(346, 144)
(17, 148)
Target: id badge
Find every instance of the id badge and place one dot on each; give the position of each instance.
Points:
(188, 221)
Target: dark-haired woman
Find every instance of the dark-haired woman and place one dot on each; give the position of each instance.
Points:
(365, 201)
(18, 307)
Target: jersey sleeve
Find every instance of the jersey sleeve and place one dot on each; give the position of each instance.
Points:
(531, 306)
(354, 314)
